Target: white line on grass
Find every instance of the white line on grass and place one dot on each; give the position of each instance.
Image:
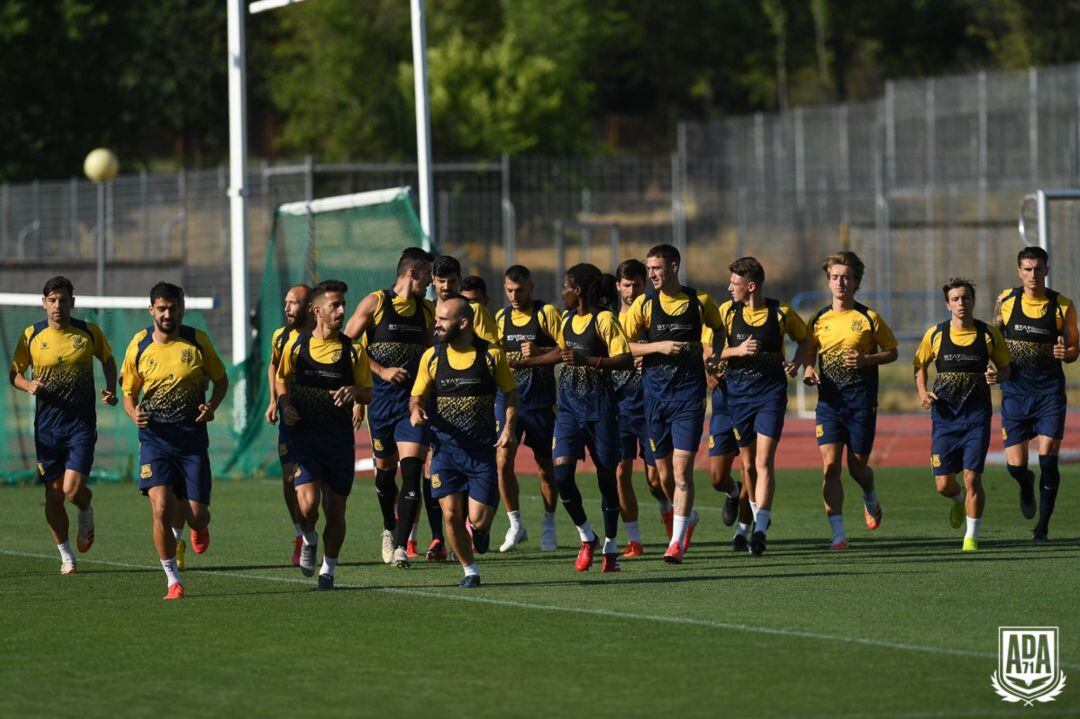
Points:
(607, 613)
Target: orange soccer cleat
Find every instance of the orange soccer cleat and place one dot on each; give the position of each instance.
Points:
(585, 554)
(674, 553)
(411, 550)
(873, 519)
(297, 546)
(633, 549)
(668, 518)
(200, 539)
(176, 591)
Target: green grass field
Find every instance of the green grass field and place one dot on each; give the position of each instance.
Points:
(902, 625)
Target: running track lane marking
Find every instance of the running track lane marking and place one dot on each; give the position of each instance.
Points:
(608, 613)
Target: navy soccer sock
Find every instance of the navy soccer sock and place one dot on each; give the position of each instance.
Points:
(569, 493)
(434, 512)
(1048, 489)
(387, 493)
(412, 468)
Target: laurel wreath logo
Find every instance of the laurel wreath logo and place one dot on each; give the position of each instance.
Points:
(1048, 696)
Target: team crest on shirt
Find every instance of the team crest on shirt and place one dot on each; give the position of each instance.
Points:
(857, 324)
(187, 356)
(712, 441)
(1004, 434)
(146, 471)
(41, 469)
(819, 431)
(336, 357)
(377, 444)
(935, 460)
(78, 342)
(282, 449)
(735, 431)
(435, 481)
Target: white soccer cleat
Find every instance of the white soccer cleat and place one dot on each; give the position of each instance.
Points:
(513, 539)
(67, 567)
(401, 558)
(387, 546)
(85, 538)
(308, 554)
(548, 540)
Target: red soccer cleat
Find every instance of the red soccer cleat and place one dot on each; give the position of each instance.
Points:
(200, 540)
(411, 550)
(690, 531)
(585, 554)
(297, 546)
(674, 554)
(838, 546)
(611, 563)
(633, 549)
(83, 543)
(176, 591)
(668, 518)
(873, 519)
(436, 551)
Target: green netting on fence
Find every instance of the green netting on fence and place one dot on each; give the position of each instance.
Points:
(356, 239)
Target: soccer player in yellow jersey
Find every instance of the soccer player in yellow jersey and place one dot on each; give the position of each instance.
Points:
(298, 319)
(474, 289)
(664, 329)
(455, 393)
(322, 375)
(1039, 326)
(969, 356)
(446, 271)
(756, 376)
(166, 370)
(60, 352)
(395, 325)
(529, 330)
(850, 341)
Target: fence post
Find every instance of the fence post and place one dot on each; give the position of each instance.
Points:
(73, 207)
(560, 268)
(983, 165)
(586, 230)
(509, 217)
(800, 161)
(890, 132)
(309, 178)
(144, 200)
(928, 199)
(1033, 122)
(5, 211)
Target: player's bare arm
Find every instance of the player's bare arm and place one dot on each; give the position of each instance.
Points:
(207, 409)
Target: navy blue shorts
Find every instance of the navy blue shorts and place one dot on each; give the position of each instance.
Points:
(852, 427)
(332, 464)
(187, 471)
(284, 456)
(455, 470)
(601, 436)
(634, 439)
(58, 453)
(675, 425)
(753, 418)
(1025, 417)
(536, 425)
(721, 431)
(956, 447)
(386, 433)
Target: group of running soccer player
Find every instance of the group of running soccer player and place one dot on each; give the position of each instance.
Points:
(639, 352)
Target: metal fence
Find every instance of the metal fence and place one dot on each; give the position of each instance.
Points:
(924, 183)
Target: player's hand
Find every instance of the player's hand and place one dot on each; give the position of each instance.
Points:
(810, 377)
(271, 413)
(711, 381)
(854, 358)
(289, 415)
(419, 417)
(206, 413)
(514, 363)
(394, 375)
(927, 399)
(506, 440)
(141, 417)
(528, 349)
(670, 347)
(34, 386)
(639, 362)
(749, 347)
(991, 374)
(791, 368)
(357, 415)
(573, 358)
(1059, 349)
(109, 398)
(342, 396)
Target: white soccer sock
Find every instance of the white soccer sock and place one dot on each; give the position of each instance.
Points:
(958, 497)
(413, 533)
(66, 555)
(762, 517)
(585, 532)
(743, 530)
(515, 519)
(836, 521)
(471, 570)
(678, 529)
(328, 565)
(870, 499)
(972, 528)
(172, 574)
(610, 546)
(178, 532)
(297, 529)
(310, 538)
(633, 532)
(665, 505)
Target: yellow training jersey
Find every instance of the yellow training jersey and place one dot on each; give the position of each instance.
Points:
(834, 334)
(638, 317)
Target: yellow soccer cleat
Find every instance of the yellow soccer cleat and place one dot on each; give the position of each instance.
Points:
(956, 515)
(971, 544)
(180, 547)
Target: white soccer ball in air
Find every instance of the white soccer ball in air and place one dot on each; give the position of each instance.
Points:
(101, 165)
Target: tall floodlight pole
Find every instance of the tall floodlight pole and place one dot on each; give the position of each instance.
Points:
(238, 150)
(423, 119)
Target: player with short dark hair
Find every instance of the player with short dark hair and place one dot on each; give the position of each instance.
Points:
(298, 319)
(1039, 326)
(60, 352)
(664, 327)
(322, 375)
(395, 326)
(756, 376)
(474, 289)
(593, 344)
(455, 392)
(850, 342)
(969, 356)
(529, 330)
(169, 365)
